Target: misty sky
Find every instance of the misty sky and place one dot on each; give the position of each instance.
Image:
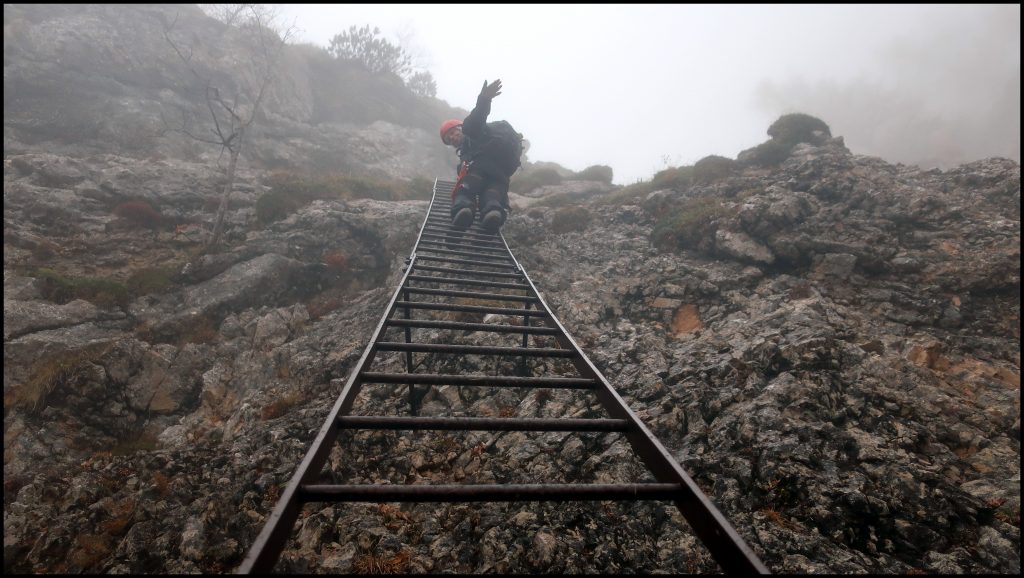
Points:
(643, 87)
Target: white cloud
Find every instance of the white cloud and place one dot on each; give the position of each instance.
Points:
(631, 85)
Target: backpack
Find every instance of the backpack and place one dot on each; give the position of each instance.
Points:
(505, 146)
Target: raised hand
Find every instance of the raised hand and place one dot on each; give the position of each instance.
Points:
(491, 90)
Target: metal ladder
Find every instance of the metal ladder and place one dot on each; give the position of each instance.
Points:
(474, 259)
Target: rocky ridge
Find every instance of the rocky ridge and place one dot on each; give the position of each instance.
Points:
(834, 356)
(843, 383)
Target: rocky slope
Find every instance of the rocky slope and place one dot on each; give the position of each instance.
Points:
(833, 355)
(851, 408)
(101, 79)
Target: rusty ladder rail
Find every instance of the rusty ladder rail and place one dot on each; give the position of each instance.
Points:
(436, 245)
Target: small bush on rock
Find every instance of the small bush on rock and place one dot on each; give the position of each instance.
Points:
(98, 290)
(141, 214)
(527, 181)
(289, 192)
(570, 219)
(691, 225)
(675, 178)
(712, 168)
(151, 280)
(600, 173)
(767, 154)
(798, 127)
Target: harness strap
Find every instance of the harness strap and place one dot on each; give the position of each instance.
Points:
(462, 173)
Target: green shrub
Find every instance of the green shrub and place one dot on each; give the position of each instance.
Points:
(370, 49)
(627, 195)
(274, 206)
(370, 188)
(570, 219)
(799, 127)
(530, 180)
(98, 290)
(769, 153)
(600, 173)
(712, 168)
(688, 225)
(151, 280)
(675, 178)
(420, 188)
(290, 191)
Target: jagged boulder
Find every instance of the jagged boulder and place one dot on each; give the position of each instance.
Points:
(102, 79)
(830, 346)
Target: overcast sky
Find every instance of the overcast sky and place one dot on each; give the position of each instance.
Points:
(643, 87)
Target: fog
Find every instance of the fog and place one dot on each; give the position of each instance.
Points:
(644, 87)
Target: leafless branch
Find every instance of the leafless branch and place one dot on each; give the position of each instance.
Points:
(232, 113)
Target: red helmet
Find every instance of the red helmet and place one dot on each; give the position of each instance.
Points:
(447, 126)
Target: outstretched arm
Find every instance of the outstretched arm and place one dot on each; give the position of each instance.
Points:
(474, 123)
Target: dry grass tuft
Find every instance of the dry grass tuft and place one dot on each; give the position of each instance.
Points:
(373, 564)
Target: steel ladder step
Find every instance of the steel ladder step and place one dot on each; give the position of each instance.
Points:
(465, 262)
(474, 349)
(489, 492)
(479, 380)
(470, 308)
(481, 423)
(460, 326)
(488, 274)
(471, 294)
(457, 281)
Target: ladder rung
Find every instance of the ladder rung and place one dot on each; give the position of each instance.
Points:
(475, 349)
(482, 243)
(488, 492)
(464, 253)
(473, 233)
(456, 281)
(480, 380)
(473, 294)
(446, 222)
(470, 308)
(432, 268)
(462, 248)
(466, 234)
(486, 327)
(463, 262)
(473, 249)
(481, 423)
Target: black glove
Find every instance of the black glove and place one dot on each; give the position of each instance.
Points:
(491, 90)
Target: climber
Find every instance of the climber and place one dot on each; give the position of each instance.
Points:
(490, 152)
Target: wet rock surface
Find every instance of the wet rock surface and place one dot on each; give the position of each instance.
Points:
(836, 362)
(846, 411)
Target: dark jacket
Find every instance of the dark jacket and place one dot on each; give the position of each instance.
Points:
(479, 145)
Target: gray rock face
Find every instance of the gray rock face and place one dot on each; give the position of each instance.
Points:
(837, 366)
(845, 413)
(101, 79)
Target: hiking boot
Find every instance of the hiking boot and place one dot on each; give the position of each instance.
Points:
(463, 219)
(491, 222)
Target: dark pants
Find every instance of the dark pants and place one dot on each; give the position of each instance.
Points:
(485, 186)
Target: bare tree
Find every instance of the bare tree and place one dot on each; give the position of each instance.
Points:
(233, 97)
